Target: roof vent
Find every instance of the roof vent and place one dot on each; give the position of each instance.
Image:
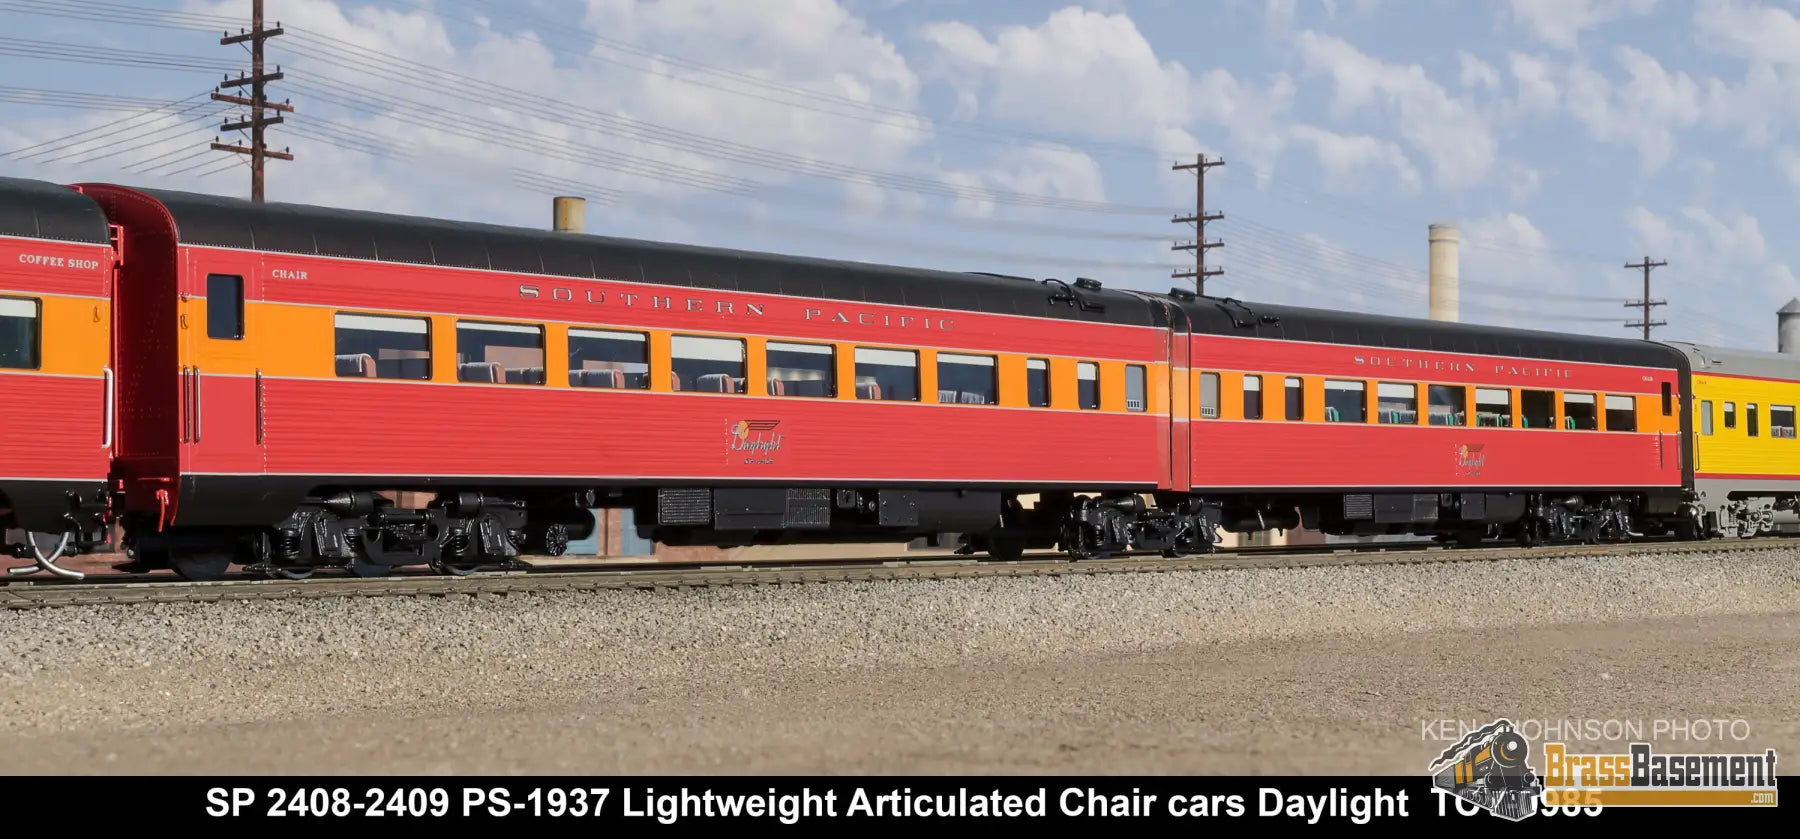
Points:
(1084, 282)
(1183, 294)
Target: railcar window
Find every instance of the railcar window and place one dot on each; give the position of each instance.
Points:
(1731, 415)
(1209, 395)
(1781, 421)
(1135, 387)
(1621, 413)
(711, 365)
(20, 321)
(968, 379)
(1493, 407)
(1537, 408)
(602, 358)
(1750, 419)
(383, 347)
(1296, 399)
(1344, 402)
(888, 375)
(500, 353)
(1037, 382)
(1580, 412)
(1252, 397)
(1668, 395)
(1706, 417)
(802, 369)
(224, 306)
(1449, 404)
(1087, 387)
(1398, 405)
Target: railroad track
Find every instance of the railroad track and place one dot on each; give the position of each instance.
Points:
(50, 592)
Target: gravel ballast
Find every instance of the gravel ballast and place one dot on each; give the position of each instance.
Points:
(143, 668)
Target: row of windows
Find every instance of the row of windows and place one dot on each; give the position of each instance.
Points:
(19, 318)
(1781, 419)
(382, 346)
(1397, 403)
(392, 347)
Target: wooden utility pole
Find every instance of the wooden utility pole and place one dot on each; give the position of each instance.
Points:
(1199, 219)
(258, 101)
(1645, 303)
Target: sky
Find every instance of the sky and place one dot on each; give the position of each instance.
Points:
(1564, 138)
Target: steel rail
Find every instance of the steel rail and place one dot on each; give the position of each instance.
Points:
(59, 593)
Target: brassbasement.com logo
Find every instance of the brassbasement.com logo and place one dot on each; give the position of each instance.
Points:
(1492, 769)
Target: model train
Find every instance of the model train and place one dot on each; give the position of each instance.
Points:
(235, 382)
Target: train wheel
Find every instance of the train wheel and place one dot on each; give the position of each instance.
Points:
(141, 560)
(362, 567)
(1005, 545)
(200, 565)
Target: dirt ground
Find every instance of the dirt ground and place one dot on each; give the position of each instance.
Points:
(1308, 706)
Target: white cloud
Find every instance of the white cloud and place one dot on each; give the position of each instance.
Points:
(1644, 112)
(1559, 23)
(1344, 156)
(1750, 31)
(1648, 106)
(1477, 73)
(1537, 92)
(1508, 250)
(1079, 71)
(1280, 13)
(1095, 75)
(1740, 236)
(1522, 182)
(1447, 130)
(1787, 160)
(1038, 170)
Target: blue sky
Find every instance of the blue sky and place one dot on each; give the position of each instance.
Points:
(1565, 137)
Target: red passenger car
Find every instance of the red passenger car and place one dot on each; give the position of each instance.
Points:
(294, 362)
(286, 374)
(56, 271)
(1361, 424)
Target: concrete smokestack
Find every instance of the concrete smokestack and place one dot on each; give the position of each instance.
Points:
(571, 214)
(1445, 240)
(1787, 327)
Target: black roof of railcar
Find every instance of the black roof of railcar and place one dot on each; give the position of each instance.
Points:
(322, 231)
(1231, 317)
(43, 210)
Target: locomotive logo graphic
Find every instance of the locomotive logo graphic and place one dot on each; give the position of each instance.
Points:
(754, 440)
(1490, 768)
(1469, 459)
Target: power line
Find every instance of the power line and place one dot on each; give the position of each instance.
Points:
(470, 90)
(1199, 219)
(85, 54)
(1646, 303)
(337, 51)
(563, 41)
(257, 102)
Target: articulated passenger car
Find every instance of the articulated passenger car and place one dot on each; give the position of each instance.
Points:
(1352, 423)
(56, 379)
(284, 371)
